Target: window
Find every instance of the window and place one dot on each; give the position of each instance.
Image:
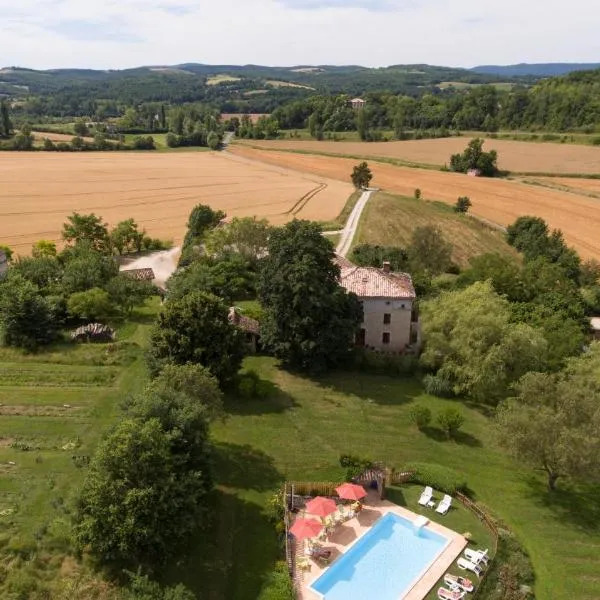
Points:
(387, 319)
(386, 338)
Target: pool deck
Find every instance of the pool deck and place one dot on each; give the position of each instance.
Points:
(348, 533)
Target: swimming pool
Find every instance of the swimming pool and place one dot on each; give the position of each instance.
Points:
(384, 564)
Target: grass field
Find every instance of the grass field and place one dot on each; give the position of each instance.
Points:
(158, 190)
(513, 156)
(500, 201)
(390, 220)
(299, 433)
(55, 405)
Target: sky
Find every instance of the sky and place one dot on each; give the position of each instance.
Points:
(114, 34)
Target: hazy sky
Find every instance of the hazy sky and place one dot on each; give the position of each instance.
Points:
(126, 33)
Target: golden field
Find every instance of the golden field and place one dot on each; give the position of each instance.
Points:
(500, 201)
(39, 190)
(521, 157)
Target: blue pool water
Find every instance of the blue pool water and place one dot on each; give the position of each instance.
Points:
(384, 564)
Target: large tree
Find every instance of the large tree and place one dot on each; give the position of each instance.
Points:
(194, 381)
(310, 320)
(87, 228)
(361, 176)
(553, 423)
(246, 236)
(145, 492)
(26, 318)
(196, 329)
(474, 158)
(473, 345)
(201, 220)
(126, 237)
(232, 278)
(429, 252)
(85, 268)
(5, 122)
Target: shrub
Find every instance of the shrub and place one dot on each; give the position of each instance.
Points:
(463, 204)
(510, 573)
(401, 365)
(450, 420)
(441, 478)
(278, 584)
(354, 465)
(420, 415)
(144, 143)
(437, 385)
(417, 194)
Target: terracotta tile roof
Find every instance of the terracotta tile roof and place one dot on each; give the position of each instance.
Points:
(370, 282)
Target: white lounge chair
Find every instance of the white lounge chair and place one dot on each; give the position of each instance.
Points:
(477, 556)
(444, 594)
(444, 506)
(455, 582)
(467, 565)
(426, 496)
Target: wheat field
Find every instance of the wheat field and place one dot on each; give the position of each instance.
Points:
(521, 157)
(39, 190)
(499, 201)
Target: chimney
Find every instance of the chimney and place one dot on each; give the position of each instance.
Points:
(387, 267)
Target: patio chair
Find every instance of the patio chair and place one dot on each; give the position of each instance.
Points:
(426, 496)
(455, 582)
(444, 506)
(477, 556)
(444, 594)
(467, 565)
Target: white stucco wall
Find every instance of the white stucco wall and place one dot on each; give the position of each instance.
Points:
(398, 328)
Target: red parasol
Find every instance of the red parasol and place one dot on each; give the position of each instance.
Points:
(351, 491)
(320, 506)
(305, 528)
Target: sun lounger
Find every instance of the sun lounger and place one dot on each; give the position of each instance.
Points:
(457, 582)
(426, 496)
(444, 594)
(444, 505)
(467, 565)
(477, 556)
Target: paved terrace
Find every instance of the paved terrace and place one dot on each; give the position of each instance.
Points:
(348, 533)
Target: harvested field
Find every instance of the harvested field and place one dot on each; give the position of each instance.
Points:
(576, 185)
(390, 220)
(497, 200)
(522, 157)
(158, 190)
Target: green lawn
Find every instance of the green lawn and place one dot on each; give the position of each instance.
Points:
(299, 433)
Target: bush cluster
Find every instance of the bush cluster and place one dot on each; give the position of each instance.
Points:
(441, 478)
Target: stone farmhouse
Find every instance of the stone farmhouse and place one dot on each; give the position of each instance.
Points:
(390, 320)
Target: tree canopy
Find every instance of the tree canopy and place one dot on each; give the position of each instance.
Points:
(310, 321)
(196, 329)
(475, 159)
(87, 228)
(470, 341)
(553, 422)
(361, 176)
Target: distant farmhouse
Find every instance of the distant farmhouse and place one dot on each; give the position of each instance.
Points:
(357, 103)
(390, 322)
